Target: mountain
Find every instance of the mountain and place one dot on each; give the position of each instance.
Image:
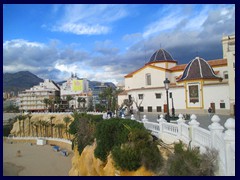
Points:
(19, 81)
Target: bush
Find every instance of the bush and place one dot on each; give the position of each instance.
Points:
(6, 130)
(129, 142)
(189, 162)
(110, 133)
(83, 128)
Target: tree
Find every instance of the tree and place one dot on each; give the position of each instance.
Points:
(46, 102)
(69, 98)
(51, 125)
(20, 117)
(67, 120)
(23, 119)
(138, 105)
(29, 124)
(58, 102)
(110, 95)
(81, 100)
(36, 125)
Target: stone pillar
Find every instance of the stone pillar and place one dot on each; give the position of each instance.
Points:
(215, 127)
(144, 119)
(179, 122)
(161, 121)
(193, 123)
(229, 138)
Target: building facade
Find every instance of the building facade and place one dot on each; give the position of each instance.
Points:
(32, 100)
(194, 87)
(76, 88)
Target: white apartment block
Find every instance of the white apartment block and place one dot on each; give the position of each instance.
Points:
(33, 99)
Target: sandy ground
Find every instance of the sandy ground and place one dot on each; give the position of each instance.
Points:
(34, 160)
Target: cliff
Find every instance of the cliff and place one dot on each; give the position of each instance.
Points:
(40, 126)
(87, 165)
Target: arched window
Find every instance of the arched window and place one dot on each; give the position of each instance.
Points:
(148, 79)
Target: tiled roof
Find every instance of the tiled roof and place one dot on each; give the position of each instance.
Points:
(198, 68)
(161, 54)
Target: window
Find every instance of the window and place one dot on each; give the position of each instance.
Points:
(140, 96)
(159, 109)
(149, 108)
(148, 79)
(158, 95)
(225, 75)
(141, 109)
(222, 105)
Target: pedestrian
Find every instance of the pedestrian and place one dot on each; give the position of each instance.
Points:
(210, 111)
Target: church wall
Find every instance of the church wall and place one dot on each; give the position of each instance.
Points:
(212, 94)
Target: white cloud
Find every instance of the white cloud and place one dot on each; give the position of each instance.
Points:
(89, 19)
(66, 68)
(17, 43)
(81, 29)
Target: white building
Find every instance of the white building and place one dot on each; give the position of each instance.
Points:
(194, 87)
(76, 88)
(33, 99)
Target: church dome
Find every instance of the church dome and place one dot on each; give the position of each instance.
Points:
(198, 68)
(161, 55)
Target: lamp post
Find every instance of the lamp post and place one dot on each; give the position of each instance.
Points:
(166, 84)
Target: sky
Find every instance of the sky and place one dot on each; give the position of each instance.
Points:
(105, 42)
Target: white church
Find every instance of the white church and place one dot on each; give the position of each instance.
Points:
(193, 87)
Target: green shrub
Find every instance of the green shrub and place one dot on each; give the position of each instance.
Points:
(83, 128)
(110, 133)
(189, 162)
(126, 158)
(129, 142)
(6, 130)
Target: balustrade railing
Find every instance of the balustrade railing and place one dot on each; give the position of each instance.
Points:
(213, 138)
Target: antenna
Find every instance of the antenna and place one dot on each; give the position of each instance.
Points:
(145, 52)
(197, 53)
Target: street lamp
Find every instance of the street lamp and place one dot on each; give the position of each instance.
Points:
(166, 84)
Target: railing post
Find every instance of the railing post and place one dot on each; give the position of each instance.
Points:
(132, 117)
(161, 121)
(179, 122)
(229, 138)
(193, 123)
(215, 127)
(144, 119)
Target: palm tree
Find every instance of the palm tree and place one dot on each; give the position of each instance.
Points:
(29, 124)
(66, 120)
(20, 117)
(32, 125)
(40, 122)
(46, 102)
(81, 100)
(36, 125)
(23, 119)
(61, 127)
(69, 98)
(51, 125)
(58, 101)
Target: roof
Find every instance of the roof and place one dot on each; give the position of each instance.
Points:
(160, 55)
(145, 66)
(181, 67)
(198, 68)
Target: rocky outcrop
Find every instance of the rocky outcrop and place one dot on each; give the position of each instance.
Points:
(87, 165)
